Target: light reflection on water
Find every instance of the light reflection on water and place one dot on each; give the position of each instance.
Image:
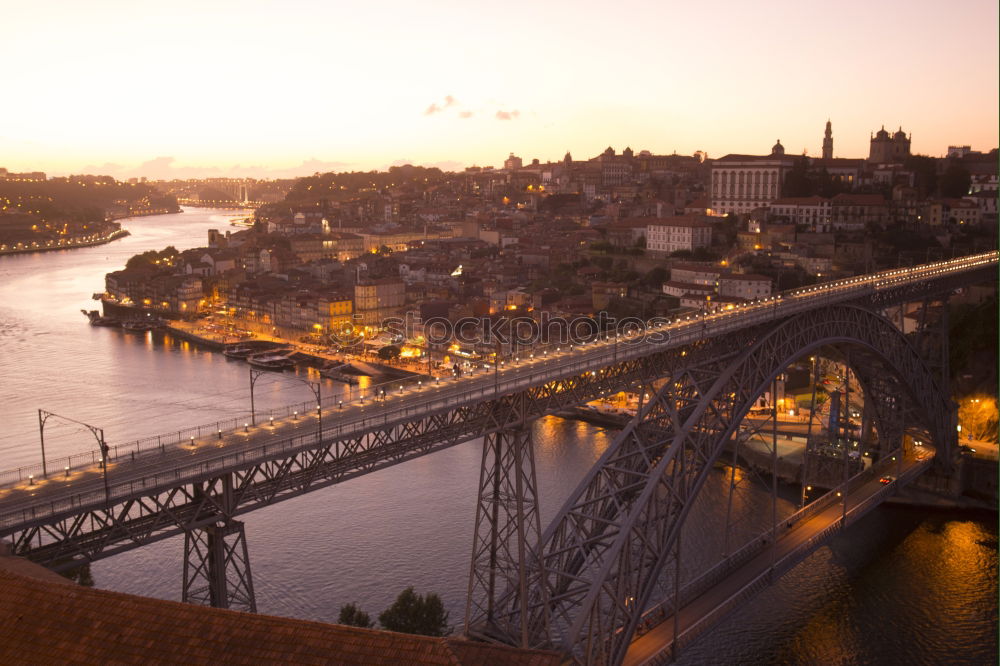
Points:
(901, 587)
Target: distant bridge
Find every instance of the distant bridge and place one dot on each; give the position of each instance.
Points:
(594, 580)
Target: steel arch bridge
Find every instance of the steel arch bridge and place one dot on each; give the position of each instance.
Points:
(602, 555)
(581, 588)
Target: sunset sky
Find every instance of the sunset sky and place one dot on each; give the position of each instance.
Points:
(185, 88)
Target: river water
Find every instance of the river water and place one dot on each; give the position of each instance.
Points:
(902, 586)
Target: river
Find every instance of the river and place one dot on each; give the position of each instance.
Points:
(902, 586)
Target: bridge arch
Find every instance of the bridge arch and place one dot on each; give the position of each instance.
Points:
(603, 552)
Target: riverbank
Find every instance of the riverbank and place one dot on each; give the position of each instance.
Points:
(913, 497)
(145, 213)
(63, 243)
(308, 355)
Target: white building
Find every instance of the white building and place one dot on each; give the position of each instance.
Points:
(814, 212)
(684, 232)
(741, 183)
(681, 289)
(746, 285)
(695, 273)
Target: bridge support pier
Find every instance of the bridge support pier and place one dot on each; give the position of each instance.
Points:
(507, 535)
(217, 567)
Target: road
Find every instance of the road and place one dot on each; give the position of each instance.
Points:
(699, 613)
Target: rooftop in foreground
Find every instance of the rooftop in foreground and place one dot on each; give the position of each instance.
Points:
(43, 620)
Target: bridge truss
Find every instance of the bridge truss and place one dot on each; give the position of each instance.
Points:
(601, 558)
(581, 585)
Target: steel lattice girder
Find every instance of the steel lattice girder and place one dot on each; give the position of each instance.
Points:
(506, 533)
(217, 570)
(88, 533)
(606, 547)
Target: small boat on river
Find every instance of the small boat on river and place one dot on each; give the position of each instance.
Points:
(270, 361)
(139, 326)
(238, 351)
(336, 373)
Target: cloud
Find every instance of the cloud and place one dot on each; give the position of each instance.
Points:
(465, 114)
(449, 101)
(508, 115)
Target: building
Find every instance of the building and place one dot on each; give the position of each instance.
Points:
(627, 232)
(740, 183)
(852, 212)
(704, 274)
(846, 172)
(828, 142)
(747, 286)
(512, 163)
(335, 311)
(953, 211)
(377, 300)
(682, 289)
(603, 292)
(887, 149)
(814, 212)
(157, 290)
(683, 232)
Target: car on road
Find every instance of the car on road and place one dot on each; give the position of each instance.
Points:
(886, 480)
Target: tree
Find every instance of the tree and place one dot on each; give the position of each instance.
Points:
(413, 613)
(389, 352)
(353, 616)
(924, 169)
(955, 180)
(655, 278)
(797, 180)
(979, 418)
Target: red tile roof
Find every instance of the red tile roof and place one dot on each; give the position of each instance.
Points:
(44, 622)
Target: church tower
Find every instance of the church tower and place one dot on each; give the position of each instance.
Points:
(828, 142)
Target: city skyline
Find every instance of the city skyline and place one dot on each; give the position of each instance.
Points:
(274, 90)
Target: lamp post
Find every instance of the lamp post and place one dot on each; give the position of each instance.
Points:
(98, 433)
(315, 387)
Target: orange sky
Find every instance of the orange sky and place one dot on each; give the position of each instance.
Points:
(281, 88)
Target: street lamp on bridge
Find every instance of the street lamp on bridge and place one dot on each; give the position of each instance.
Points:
(315, 387)
(98, 433)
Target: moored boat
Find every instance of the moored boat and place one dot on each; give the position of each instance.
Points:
(237, 351)
(270, 361)
(138, 326)
(336, 373)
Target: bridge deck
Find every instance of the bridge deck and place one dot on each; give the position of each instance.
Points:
(697, 615)
(175, 464)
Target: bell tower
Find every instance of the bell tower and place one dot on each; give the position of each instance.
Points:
(828, 142)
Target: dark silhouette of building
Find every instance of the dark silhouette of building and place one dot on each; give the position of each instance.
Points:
(886, 149)
(828, 142)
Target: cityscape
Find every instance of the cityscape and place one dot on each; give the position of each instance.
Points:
(723, 391)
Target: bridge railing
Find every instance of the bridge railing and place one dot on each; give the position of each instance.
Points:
(600, 353)
(693, 589)
(786, 562)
